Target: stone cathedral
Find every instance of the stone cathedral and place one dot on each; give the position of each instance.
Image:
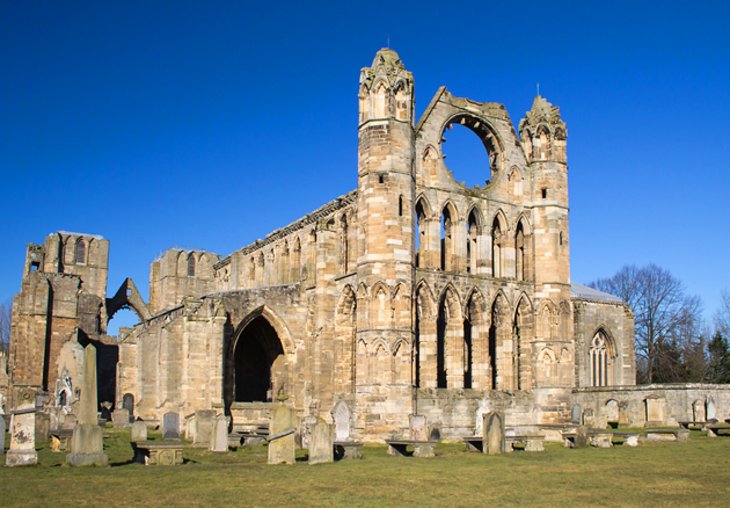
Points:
(411, 295)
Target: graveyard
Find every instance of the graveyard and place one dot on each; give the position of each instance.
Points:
(659, 473)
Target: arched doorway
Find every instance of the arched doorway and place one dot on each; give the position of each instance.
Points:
(258, 362)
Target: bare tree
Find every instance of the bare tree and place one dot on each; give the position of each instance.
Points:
(663, 313)
(5, 316)
(722, 317)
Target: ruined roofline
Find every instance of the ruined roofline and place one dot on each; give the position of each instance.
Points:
(311, 218)
(183, 250)
(72, 233)
(495, 110)
(587, 293)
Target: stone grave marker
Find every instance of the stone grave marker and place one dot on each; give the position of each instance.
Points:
(418, 428)
(308, 422)
(139, 431)
(171, 426)
(219, 437)
(581, 437)
(42, 427)
(120, 418)
(22, 433)
(711, 411)
(128, 403)
(321, 446)
(281, 435)
(87, 441)
(575, 414)
(493, 442)
(341, 417)
(204, 426)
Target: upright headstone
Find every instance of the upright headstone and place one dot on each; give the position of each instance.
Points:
(2, 433)
(219, 437)
(493, 442)
(581, 437)
(418, 428)
(87, 441)
(321, 445)
(341, 417)
(42, 427)
(120, 418)
(203, 423)
(575, 414)
(281, 435)
(171, 426)
(139, 431)
(711, 411)
(22, 433)
(308, 423)
(128, 403)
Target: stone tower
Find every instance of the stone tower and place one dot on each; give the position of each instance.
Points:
(384, 267)
(543, 137)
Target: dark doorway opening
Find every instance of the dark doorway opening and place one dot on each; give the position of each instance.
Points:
(257, 348)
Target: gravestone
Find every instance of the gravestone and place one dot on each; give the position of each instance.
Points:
(87, 441)
(22, 433)
(203, 424)
(128, 403)
(321, 446)
(698, 411)
(493, 442)
(711, 411)
(654, 411)
(219, 437)
(308, 422)
(632, 441)
(42, 427)
(171, 426)
(341, 417)
(139, 431)
(2, 432)
(418, 428)
(281, 435)
(479, 417)
(575, 414)
(120, 418)
(581, 437)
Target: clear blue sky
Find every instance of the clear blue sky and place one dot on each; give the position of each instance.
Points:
(208, 124)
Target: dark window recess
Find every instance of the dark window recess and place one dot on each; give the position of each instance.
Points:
(544, 193)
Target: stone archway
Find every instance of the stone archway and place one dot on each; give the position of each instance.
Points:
(258, 362)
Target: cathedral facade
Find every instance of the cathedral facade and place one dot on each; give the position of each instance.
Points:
(411, 295)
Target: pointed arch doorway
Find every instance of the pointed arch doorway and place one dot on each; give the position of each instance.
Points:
(259, 364)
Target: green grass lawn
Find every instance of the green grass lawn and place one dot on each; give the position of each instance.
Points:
(655, 474)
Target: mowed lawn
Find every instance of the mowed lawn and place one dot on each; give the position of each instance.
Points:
(696, 473)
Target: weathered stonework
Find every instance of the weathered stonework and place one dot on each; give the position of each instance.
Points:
(411, 295)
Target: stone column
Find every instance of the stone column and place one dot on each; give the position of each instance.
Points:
(22, 434)
(87, 440)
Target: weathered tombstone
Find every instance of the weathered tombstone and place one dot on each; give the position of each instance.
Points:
(493, 442)
(308, 422)
(711, 411)
(219, 437)
(575, 414)
(654, 411)
(321, 445)
(588, 417)
(2, 432)
(171, 426)
(203, 423)
(581, 437)
(22, 433)
(612, 413)
(128, 403)
(698, 411)
(341, 417)
(139, 431)
(87, 441)
(418, 427)
(281, 435)
(42, 427)
(120, 418)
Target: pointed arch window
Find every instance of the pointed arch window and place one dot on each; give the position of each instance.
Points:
(472, 242)
(80, 251)
(496, 248)
(520, 264)
(599, 359)
(420, 235)
(447, 239)
(191, 265)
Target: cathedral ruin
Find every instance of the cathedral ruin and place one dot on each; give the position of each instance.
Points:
(410, 295)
